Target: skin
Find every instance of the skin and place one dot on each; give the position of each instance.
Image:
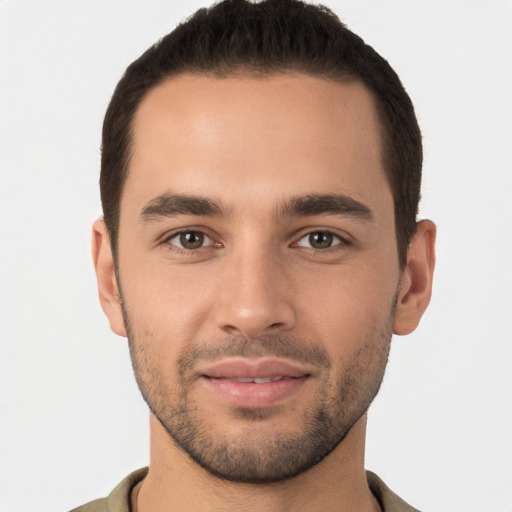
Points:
(252, 145)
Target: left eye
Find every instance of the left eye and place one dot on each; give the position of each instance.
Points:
(190, 240)
(320, 240)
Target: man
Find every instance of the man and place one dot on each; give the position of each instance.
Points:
(260, 181)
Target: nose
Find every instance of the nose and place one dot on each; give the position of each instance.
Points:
(255, 297)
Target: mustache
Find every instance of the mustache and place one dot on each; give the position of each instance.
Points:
(286, 347)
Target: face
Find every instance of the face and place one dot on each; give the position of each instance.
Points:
(258, 267)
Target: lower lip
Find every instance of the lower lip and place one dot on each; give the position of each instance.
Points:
(254, 396)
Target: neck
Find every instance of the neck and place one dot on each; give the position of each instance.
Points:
(175, 482)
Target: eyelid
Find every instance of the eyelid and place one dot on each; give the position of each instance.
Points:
(168, 236)
(207, 240)
(336, 240)
(343, 238)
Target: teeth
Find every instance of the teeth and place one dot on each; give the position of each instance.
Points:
(258, 380)
(266, 379)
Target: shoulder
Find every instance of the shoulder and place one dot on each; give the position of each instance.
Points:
(99, 505)
(388, 500)
(119, 499)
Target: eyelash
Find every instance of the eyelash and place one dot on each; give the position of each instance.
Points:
(338, 241)
(183, 250)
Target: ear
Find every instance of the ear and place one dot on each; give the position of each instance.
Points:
(108, 288)
(416, 282)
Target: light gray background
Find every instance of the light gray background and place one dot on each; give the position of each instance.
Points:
(72, 423)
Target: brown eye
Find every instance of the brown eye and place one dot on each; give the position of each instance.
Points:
(190, 240)
(320, 240)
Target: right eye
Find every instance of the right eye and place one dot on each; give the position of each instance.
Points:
(190, 240)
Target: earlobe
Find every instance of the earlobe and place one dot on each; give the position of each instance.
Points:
(108, 289)
(416, 283)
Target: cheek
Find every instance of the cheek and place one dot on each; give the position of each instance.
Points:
(349, 305)
(169, 303)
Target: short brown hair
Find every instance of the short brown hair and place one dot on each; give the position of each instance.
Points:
(236, 36)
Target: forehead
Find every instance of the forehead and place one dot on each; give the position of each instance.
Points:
(231, 136)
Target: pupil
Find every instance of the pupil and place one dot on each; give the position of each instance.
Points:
(320, 240)
(192, 240)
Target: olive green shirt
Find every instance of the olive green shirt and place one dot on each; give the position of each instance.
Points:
(119, 499)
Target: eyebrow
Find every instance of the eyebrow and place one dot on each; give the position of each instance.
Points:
(172, 205)
(325, 204)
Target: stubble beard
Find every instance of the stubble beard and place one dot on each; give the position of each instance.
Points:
(257, 457)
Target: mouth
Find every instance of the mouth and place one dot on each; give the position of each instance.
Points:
(254, 384)
(256, 380)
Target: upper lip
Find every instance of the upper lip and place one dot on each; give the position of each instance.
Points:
(241, 368)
